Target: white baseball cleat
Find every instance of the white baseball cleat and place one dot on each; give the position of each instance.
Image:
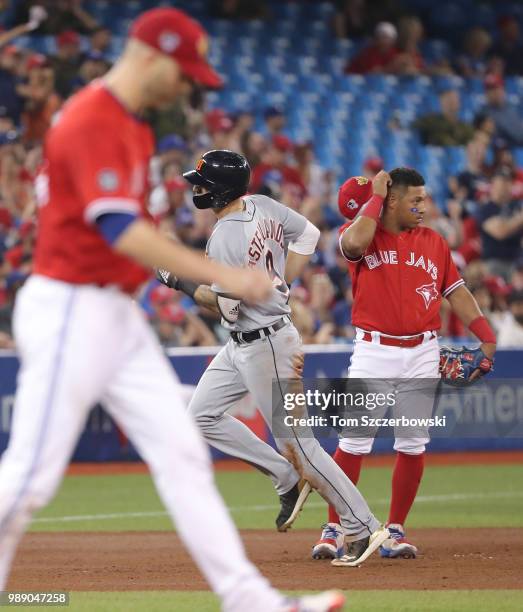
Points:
(331, 543)
(328, 601)
(397, 546)
(360, 550)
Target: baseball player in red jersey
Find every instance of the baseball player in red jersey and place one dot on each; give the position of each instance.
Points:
(400, 272)
(81, 336)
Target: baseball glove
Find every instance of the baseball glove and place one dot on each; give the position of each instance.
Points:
(463, 366)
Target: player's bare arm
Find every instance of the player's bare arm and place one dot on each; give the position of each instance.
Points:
(501, 228)
(466, 308)
(357, 237)
(206, 297)
(147, 245)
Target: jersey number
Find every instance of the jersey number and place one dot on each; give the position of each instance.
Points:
(277, 282)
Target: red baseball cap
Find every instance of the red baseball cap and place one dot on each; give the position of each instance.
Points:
(374, 164)
(353, 194)
(172, 313)
(161, 295)
(69, 37)
(493, 81)
(175, 184)
(282, 143)
(497, 285)
(37, 61)
(177, 35)
(217, 120)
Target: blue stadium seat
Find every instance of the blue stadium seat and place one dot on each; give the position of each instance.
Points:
(518, 156)
(380, 83)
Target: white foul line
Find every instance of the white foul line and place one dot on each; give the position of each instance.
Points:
(261, 508)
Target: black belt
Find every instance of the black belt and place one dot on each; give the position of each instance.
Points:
(256, 334)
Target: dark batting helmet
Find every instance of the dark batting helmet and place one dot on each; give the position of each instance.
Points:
(225, 174)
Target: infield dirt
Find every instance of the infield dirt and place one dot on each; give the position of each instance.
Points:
(120, 561)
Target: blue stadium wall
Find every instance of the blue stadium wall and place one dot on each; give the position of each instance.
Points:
(101, 441)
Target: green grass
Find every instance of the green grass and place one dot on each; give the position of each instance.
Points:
(362, 601)
(450, 496)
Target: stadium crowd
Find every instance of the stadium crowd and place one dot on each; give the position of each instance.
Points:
(481, 216)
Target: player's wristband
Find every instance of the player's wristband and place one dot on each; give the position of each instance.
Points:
(188, 287)
(480, 327)
(372, 209)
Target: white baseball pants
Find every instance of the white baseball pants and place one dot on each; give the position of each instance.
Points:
(373, 360)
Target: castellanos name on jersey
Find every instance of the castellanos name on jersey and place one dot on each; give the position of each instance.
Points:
(258, 237)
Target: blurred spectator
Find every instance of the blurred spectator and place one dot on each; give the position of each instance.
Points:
(238, 9)
(516, 280)
(357, 18)
(510, 331)
(484, 127)
(351, 19)
(100, 40)
(408, 60)
(66, 62)
(449, 226)
(473, 61)
(471, 185)
(175, 325)
(165, 121)
(509, 46)
(312, 174)
(503, 160)
(303, 318)
(62, 15)
(243, 122)
(167, 205)
(274, 170)
(371, 166)
(445, 128)
(274, 120)
(254, 147)
(93, 66)
(509, 124)
(171, 152)
(501, 226)
(379, 54)
(35, 17)
(42, 101)
(219, 126)
(11, 102)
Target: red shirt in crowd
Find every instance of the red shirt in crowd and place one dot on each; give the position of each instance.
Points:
(399, 281)
(371, 59)
(289, 175)
(96, 161)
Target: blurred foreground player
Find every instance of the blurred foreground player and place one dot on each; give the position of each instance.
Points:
(400, 271)
(82, 338)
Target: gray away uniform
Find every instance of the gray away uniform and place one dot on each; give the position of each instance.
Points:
(259, 236)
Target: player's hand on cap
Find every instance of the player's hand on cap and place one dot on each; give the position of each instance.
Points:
(380, 183)
(37, 14)
(250, 285)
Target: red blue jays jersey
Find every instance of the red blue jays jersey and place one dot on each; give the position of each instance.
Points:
(399, 281)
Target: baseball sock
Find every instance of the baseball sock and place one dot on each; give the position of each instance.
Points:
(351, 465)
(406, 478)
